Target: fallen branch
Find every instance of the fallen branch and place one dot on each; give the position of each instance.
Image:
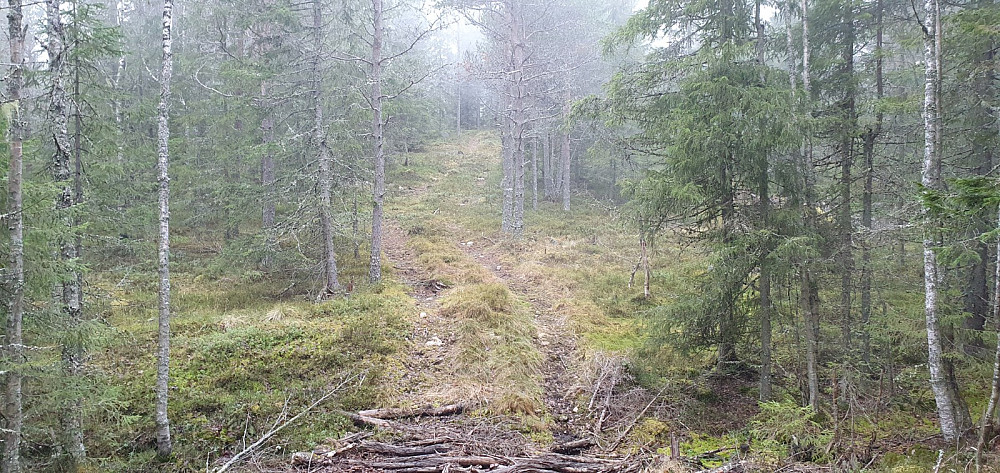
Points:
(574, 446)
(271, 433)
(400, 413)
(728, 467)
(634, 422)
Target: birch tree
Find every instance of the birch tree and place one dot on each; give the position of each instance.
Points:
(952, 412)
(164, 446)
(13, 349)
(378, 139)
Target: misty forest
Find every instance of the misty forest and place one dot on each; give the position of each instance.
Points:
(550, 236)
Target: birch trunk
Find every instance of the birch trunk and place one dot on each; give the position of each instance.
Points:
(991, 406)
(69, 287)
(378, 191)
(13, 342)
(949, 406)
(331, 282)
(164, 446)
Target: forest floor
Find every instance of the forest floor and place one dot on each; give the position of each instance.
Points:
(528, 335)
(522, 354)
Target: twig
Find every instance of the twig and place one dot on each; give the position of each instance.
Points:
(239, 456)
(636, 421)
(937, 466)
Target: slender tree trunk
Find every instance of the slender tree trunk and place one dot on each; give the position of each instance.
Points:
(547, 166)
(331, 282)
(534, 174)
(845, 224)
(866, 213)
(507, 182)
(977, 292)
(727, 317)
(164, 447)
(378, 133)
(267, 180)
(515, 119)
(564, 186)
(72, 350)
(13, 340)
(458, 81)
(954, 421)
(809, 288)
(556, 169)
(764, 281)
(991, 406)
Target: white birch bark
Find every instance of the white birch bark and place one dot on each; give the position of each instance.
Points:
(945, 394)
(991, 406)
(13, 347)
(164, 446)
(378, 191)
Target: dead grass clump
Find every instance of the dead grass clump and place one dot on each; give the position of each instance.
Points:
(496, 347)
(487, 303)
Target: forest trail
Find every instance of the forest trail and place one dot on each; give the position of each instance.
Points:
(525, 392)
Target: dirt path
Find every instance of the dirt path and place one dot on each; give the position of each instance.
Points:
(559, 439)
(556, 341)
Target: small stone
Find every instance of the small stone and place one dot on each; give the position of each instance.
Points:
(498, 268)
(434, 342)
(544, 343)
(423, 314)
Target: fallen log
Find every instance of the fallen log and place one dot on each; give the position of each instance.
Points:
(731, 467)
(403, 413)
(387, 449)
(437, 461)
(574, 446)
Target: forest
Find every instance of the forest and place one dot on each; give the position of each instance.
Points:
(552, 236)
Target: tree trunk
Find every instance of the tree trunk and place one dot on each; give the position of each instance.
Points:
(547, 166)
(13, 341)
(991, 406)
(845, 225)
(764, 196)
(954, 421)
(516, 93)
(809, 292)
(977, 291)
(378, 192)
(534, 174)
(866, 213)
(164, 446)
(69, 286)
(810, 308)
(331, 282)
(507, 181)
(564, 185)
